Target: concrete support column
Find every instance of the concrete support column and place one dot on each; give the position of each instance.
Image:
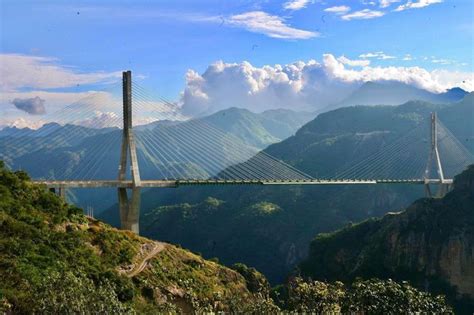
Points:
(129, 207)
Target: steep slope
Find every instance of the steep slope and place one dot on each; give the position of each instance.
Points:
(55, 260)
(431, 244)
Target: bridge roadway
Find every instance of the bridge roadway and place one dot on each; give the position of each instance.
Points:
(203, 182)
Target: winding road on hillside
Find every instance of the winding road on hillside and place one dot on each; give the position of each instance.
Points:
(139, 266)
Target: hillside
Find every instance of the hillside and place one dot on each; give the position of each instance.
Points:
(54, 259)
(270, 228)
(430, 244)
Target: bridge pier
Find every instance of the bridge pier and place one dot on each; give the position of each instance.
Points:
(60, 191)
(129, 207)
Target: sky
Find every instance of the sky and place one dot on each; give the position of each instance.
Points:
(204, 56)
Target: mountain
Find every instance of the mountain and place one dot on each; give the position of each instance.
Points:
(395, 93)
(431, 244)
(55, 260)
(71, 150)
(258, 130)
(271, 227)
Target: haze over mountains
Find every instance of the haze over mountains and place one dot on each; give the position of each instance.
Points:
(395, 93)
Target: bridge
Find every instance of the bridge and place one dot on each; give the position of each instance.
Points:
(182, 158)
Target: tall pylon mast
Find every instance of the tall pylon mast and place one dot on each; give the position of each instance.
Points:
(129, 208)
(435, 157)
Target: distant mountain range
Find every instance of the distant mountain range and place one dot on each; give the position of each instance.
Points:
(396, 93)
(54, 149)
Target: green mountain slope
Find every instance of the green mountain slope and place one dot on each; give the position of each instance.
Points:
(431, 244)
(270, 228)
(55, 260)
(69, 150)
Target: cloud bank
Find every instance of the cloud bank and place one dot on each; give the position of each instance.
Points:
(300, 85)
(33, 106)
(44, 73)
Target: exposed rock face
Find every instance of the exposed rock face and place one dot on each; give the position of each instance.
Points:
(430, 244)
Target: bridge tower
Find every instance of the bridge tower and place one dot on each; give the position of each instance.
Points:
(129, 205)
(443, 185)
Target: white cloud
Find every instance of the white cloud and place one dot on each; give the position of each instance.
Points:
(341, 9)
(407, 57)
(21, 123)
(22, 71)
(270, 25)
(387, 3)
(416, 4)
(353, 63)
(442, 61)
(301, 85)
(377, 55)
(363, 15)
(100, 119)
(296, 4)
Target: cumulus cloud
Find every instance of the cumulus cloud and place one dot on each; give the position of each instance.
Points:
(44, 73)
(341, 9)
(364, 14)
(301, 85)
(269, 25)
(100, 119)
(296, 4)
(33, 106)
(416, 4)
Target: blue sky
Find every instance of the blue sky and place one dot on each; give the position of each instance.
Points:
(161, 40)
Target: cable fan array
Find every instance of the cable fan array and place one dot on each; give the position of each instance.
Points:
(406, 157)
(171, 146)
(453, 154)
(195, 149)
(58, 151)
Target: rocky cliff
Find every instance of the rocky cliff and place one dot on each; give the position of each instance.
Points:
(431, 244)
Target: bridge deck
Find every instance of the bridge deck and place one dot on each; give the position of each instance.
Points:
(202, 182)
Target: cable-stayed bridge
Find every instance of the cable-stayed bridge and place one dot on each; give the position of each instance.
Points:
(173, 151)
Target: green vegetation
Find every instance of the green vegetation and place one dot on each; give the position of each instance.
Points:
(362, 297)
(429, 244)
(54, 260)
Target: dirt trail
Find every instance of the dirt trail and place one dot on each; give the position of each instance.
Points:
(139, 266)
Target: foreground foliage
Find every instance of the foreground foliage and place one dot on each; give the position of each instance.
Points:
(54, 260)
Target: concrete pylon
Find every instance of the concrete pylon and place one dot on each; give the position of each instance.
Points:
(129, 207)
(434, 156)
